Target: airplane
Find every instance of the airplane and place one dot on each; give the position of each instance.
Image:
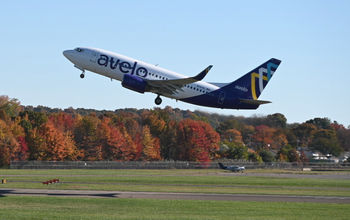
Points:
(232, 168)
(143, 77)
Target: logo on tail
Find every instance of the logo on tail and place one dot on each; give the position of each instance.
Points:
(263, 76)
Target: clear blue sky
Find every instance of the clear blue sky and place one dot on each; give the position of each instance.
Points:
(312, 38)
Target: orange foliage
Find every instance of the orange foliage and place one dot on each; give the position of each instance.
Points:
(197, 141)
(57, 145)
(115, 144)
(151, 146)
(263, 136)
(232, 135)
(63, 121)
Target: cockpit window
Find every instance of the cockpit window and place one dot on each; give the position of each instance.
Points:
(78, 49)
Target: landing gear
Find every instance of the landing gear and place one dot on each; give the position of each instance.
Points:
(82, 75)
(158, 100)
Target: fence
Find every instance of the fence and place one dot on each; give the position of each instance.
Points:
(166, 165)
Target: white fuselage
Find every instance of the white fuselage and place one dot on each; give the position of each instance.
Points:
(115, 66)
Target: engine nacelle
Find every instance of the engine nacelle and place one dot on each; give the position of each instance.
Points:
(134, 83)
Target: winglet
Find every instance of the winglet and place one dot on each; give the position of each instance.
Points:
(202, 74)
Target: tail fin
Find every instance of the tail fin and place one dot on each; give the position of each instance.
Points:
(222, 166)
(251, 85)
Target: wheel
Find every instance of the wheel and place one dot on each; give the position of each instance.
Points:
(82, 75)
(158, 100)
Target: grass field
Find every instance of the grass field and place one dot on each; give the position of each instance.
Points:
(199, 181)
(205, 181)
(15, 207)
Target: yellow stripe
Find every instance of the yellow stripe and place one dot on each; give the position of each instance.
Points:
(253, 76)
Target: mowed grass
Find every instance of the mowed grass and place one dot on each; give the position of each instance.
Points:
(204, 181)
(17, 207)
(198, 181)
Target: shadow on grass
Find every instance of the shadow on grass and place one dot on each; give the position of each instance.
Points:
(5, 192)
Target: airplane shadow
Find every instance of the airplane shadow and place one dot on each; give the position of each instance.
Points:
(3, 193)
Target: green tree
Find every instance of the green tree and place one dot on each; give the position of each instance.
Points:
(304, 133)
(9, 107)
(168, 141)
(227, 124)
(320, 123)
(266, 156)
(325, 141)
(236, 151)
(247, 132)
(277, 120)
(288, 154)
(254, 157)
(85, 137)
(343, 136)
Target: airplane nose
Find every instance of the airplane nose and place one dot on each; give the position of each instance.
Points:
(67, 53)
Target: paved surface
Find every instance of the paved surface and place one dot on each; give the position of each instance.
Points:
(165, 195)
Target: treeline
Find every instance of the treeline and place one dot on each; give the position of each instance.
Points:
(42, 133)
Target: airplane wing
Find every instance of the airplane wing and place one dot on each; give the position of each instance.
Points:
(170, 86)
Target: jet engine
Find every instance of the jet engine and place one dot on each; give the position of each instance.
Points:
(134, 83)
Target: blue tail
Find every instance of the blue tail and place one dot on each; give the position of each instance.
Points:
(242, 93)
(251, 85)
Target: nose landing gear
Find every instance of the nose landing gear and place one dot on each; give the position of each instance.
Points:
(82, 75)
(158, 100)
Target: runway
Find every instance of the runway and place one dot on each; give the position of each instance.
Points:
(166, 195)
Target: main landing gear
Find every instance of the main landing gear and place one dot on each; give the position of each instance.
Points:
(158, 100)
(82, 75)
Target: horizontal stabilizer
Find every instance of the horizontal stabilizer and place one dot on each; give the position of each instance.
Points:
(254, 102)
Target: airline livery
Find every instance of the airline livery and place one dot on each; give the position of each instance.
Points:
(143, 77)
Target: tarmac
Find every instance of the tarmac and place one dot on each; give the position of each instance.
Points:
(166, 195)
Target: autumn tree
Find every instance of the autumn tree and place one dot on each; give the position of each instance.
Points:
(6, 140)
(155, 123)
(109, 140)
(56, 145)
(263, 136)
(197, 141)
(279, 139)
(12, 143)
(232, 135)
(63, 121)
(130, 121)
(150, 146)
